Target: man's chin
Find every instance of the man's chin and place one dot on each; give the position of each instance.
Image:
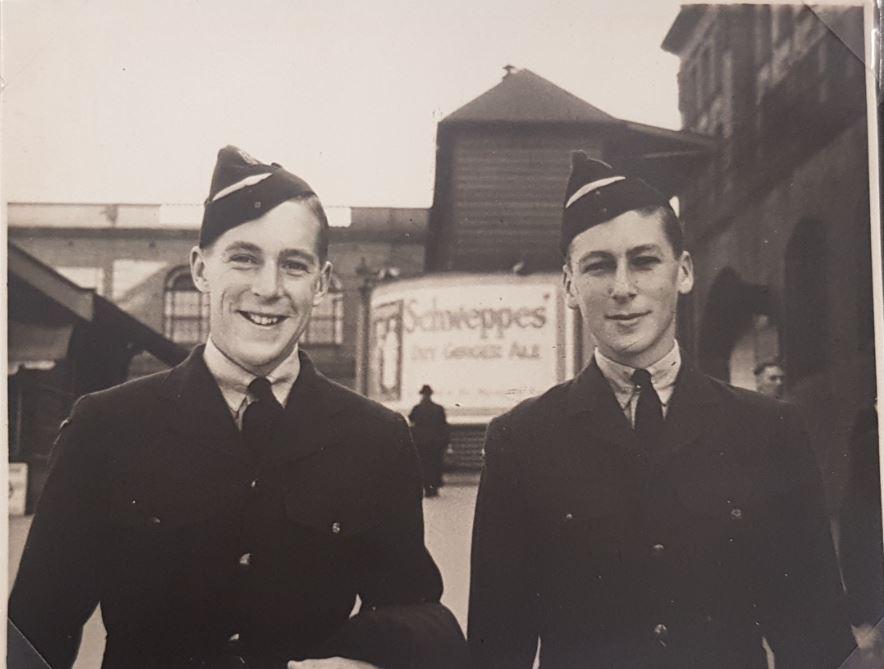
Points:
(262, 362)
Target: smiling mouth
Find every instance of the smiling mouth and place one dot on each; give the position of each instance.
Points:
(627, 318)
(264, 320)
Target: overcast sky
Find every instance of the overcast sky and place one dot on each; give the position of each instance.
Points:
(125, 101)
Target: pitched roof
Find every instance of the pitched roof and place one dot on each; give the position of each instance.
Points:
(524, 97)
(682, 27)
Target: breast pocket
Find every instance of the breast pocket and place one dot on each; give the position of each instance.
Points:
(164, 518)
(719, 528)
(331, 517)
(585, 531)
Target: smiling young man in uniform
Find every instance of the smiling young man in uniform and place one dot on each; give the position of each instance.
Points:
(644, 514)
(229, 512)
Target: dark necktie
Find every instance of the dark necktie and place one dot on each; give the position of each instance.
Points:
(648, 411)
(262, 415)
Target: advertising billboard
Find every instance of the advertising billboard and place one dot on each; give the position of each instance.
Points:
(483, 342)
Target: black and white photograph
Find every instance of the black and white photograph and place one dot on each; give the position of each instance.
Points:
(442, 335)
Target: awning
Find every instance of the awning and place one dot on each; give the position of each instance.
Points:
(36, 346)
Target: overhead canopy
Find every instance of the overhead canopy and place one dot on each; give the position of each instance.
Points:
(36, 346)
(44, 307)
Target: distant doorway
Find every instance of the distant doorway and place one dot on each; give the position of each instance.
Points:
(739, 329)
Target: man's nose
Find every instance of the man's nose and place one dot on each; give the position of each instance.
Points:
(622, 285)
(266, 283)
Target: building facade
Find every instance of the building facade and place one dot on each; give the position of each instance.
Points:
(137, 257)
(502, 161)
(779, 222)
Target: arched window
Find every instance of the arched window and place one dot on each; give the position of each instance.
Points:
(326, 326)
(186, 310)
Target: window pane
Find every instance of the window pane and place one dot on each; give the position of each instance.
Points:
(186, 310)
(327, 324)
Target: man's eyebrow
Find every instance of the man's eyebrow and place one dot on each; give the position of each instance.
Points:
(644, 248)
(241, 246)
(298, 253)
(595, 255)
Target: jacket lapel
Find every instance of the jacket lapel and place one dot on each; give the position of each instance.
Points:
(593, 407)
(309, 424)
(197, 410)
(591, 403)
(690, 411)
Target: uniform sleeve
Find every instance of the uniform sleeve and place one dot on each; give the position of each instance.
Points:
(56, 589)
(801, 602)
(402, 624)
(862, 561)
(503, 627)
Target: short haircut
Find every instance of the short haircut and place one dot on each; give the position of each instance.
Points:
(761, 366)
(313, 203)
(671, 228)
(671, 225)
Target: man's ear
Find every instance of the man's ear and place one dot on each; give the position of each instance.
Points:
(685, 273)
(323, 283)
(198, 269)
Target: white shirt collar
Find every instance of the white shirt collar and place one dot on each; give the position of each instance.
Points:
(619, 377)
(234, 381)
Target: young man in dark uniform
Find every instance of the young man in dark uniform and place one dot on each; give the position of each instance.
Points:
(644, 514)
(229, 512)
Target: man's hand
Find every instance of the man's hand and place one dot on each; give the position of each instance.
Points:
(331, 663)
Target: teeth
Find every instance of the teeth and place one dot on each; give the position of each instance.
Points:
(258, 319)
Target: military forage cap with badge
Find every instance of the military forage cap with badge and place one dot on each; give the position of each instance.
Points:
(244, 189)
(598, 192)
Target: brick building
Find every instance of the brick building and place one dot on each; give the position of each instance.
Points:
(778, 223)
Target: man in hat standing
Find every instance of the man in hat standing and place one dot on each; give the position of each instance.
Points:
(429, 427)
(230, 512)
(644, 514)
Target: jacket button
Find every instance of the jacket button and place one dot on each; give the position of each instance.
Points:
(661, 634)
(336, 527)
(657, 550)
(245, 560)
(253, 484)
(736, 514)
(154, 520)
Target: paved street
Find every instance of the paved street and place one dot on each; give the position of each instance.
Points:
(449, 521)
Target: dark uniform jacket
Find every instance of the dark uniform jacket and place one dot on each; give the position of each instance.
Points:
(202, 555)
(861, 559)
(684, 557)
